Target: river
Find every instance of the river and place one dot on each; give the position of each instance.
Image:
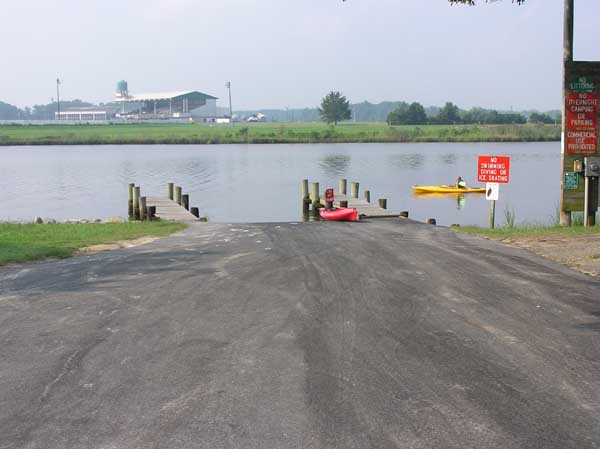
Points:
(261, 183)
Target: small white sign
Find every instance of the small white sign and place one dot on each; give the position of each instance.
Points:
(492, 191)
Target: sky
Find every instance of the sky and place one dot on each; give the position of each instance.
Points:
(290, 53)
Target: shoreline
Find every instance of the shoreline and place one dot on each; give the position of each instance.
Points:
(196, 134)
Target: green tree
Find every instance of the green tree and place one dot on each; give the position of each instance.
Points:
(335, 108)
(413, 114)
(448, 115)
(536, 117)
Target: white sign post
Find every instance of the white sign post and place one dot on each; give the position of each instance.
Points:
(492, 191)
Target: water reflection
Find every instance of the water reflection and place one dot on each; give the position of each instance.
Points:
(335, 164)
(407, 161)
(449, 158)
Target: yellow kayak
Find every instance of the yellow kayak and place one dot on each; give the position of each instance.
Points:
(447, 189)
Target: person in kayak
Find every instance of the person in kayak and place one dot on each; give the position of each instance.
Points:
(460, 183)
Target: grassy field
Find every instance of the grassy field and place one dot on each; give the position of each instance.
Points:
(27, 242)
(269, 133)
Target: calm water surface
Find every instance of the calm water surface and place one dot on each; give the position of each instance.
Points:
(259, 183)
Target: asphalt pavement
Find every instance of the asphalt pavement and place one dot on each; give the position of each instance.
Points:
(381, 334)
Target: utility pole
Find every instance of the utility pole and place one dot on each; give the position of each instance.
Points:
(228, 85)
(58, 97)
(565, 216)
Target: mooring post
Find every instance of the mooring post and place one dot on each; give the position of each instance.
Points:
(354, 189)
(177, 197)
(305, 197)
(136, 202)
(130, 200)
(185, 201)
(492, 214)
(314, 196)
(343, 186)
(195, 212)
(382, 203)
(143, 208)
(170, 188)
(367, 196)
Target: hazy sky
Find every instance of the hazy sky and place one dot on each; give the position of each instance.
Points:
(289, 53)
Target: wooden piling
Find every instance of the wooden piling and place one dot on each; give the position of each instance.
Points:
(354, 189)
(170, 188)
(130, 200)
(343, 187)
(143, 208)
(136, 202)
(195, 212)
(185, 201)
(368, 196)
(177, 197)
(314, 195)
(151, 212)
(304, 189)
(382, 203)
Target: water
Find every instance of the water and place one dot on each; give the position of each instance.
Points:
(258, 183)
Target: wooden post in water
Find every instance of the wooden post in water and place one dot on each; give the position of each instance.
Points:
(177, 197)
(151, 213)
(136, 202)
(492, 214)
(354, 189)
(315, 198)
(130, 200)
(382, 203)
(305, 197)
(185, 201)
(368, 196)
(343, 188)
(143, 208)
(170, 188)
(195, 212)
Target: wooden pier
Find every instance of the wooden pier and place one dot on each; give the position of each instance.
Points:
(174, 207)
(167, 209)
(364, 206)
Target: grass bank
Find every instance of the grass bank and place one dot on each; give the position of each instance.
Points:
(27, 242)
(528, 231)
(576, 247)
(270, 133)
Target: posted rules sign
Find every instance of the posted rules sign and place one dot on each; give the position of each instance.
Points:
(493, 169)
(582, 121)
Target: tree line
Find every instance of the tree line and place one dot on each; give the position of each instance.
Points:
(450, 114)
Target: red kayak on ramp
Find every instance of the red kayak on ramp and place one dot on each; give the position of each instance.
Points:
(339, 214)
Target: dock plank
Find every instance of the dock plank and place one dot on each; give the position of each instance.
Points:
(167, 209)
(371, 210)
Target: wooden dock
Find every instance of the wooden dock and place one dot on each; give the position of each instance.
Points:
(167, 209)
(369, 210)
(313, 200)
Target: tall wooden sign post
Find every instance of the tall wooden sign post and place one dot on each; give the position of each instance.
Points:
(581, 87)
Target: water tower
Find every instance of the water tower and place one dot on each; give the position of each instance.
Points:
(122, 90)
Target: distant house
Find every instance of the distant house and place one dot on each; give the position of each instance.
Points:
(87, 114)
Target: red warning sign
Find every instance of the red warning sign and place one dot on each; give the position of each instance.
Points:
(493, 169)
(582, 111)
